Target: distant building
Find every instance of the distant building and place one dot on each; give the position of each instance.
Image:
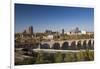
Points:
(48, 37)
(24, 32)
(83, 32)
(68, 33)
(30, 30)
(76, 31)
(62, 31)
(48, 31)
(89, 33)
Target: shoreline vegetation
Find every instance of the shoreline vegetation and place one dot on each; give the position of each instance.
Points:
(58, 57)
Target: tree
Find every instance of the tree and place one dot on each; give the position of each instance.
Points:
(49, 58)
(40, 58)
(70, 57)
(80, 56)
(58, 57)
(89, 55)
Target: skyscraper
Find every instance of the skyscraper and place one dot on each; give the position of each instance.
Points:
(30, 29)
(62, 31)
(76, 30)
(24, 32)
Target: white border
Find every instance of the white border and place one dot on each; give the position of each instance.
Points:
(4, 34)
(76, 3)
(12, 36)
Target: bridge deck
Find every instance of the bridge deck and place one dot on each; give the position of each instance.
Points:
(54, 51)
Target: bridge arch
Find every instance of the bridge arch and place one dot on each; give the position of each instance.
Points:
(93, 45)
(65, 46)
(79, 45)
(56, 46)
(73, 45)
(93, 42)
(90, 44)
(45, 46)
(84, 46)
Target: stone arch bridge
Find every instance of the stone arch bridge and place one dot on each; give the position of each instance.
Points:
(61, 45)
(68, 44)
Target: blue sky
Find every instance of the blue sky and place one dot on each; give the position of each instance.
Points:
(55, 18)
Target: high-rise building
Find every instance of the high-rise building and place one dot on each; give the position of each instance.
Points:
(48, 31)
(77, 30)
(24, 32)
(62, 31)
(30, 29)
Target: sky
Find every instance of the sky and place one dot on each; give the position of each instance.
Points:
(55, 18)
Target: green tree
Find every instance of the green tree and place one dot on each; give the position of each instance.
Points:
(48, 58)
(70, 57)
(89, 55)
(58, 57)
(40, 58)
(80, 56)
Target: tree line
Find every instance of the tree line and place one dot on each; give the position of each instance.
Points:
(58, 57)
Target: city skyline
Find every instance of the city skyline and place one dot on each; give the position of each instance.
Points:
(53, 18)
